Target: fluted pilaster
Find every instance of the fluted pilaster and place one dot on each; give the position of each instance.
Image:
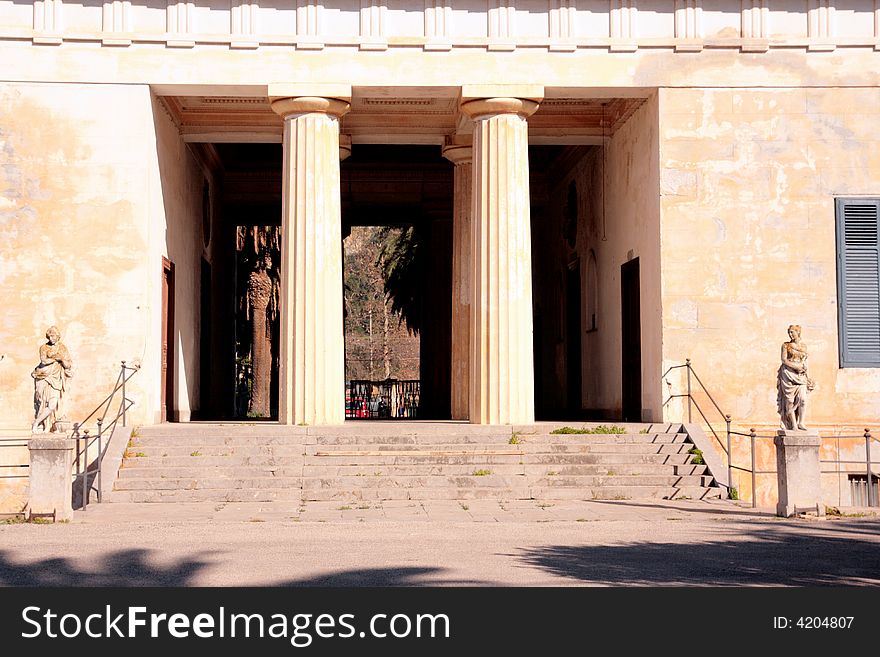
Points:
(502, 364)
(311, 372)
(461, 155)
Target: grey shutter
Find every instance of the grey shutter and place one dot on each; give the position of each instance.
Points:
(858, 281)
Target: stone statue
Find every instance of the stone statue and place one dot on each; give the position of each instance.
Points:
(50, 382)
(792, 382)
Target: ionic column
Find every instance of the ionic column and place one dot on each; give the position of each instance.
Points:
(502, 367)
(460, 154)
(311, 372)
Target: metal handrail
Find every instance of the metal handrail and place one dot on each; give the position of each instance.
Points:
(14, 442)
(869, 466)
(753, 436)
(693, 402)
(85, 439)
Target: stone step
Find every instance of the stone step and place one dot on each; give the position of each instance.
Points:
(494, 480)
(210, 472)
(294, 495)
(500, 493)
(415, 481)
(388, 428)
(210, 440)
(551, 448)
(154, 451)
(489, 439)
(195, 483)
(227, 461)
(420, 457)
(528, 469)
(627, 493)
(615, 481)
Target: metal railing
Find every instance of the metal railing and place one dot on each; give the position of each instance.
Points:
(21, 467)
(88, 475)
(753, 437)
(382, 400)
(692, 403)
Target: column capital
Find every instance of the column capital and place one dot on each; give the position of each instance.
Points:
(492, 99)
(289, 99)
(458, 150)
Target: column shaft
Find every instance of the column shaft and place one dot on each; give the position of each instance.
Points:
(462, 290)
(502, 364)
(311, 372)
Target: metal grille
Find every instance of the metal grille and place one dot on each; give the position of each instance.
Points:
(858, 488)
(382, 400)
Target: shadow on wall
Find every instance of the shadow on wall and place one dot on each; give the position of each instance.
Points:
(842, 553)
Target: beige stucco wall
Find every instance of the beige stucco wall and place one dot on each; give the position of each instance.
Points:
(96, 187)
(748, 181)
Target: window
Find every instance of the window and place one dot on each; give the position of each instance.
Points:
(858, 281)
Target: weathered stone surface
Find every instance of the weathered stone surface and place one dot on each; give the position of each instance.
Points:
(798, 473)
(51, 459)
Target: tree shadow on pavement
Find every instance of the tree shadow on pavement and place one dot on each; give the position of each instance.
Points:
(133, 568)
(386, 577)
(123, 568)
(764, 554)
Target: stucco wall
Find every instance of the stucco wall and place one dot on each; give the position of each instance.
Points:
(176, 184)
(96, 187)
(748, 181)
(629, 228)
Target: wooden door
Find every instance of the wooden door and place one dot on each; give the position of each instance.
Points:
(167, 362)
(631, 341)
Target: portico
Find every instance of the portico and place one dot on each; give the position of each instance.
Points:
(492, 307)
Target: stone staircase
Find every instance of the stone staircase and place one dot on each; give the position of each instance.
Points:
(406, 461)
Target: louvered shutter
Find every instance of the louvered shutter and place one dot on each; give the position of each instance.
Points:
(858, 281)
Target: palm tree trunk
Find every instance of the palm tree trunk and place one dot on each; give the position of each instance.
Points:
(261, 349)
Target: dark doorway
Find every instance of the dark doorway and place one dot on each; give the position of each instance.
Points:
(167, 375)
(573, 365)
(631, 340)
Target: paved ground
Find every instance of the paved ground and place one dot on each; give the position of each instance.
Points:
(441, 544)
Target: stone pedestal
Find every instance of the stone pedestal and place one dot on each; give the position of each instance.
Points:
(311, 350)
(502, 381)
(460, 154)
(798, 472)
(51, 459)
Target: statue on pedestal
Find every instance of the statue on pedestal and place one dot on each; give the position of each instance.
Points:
(51, 382)
(792, 382)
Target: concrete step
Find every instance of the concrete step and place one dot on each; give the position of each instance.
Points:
(554, 448)
(195, 483)
(210, 472)
(520, 493)
(495, 480)
(294, 495)
(528, 469)
(615, 481)
(626, 493)
(494, 439)
(389, 428)
(414, 481)
(493, 456)
(161, 451)
(212, 440)
(228, 461)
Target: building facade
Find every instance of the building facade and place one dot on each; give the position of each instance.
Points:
(616, 187)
